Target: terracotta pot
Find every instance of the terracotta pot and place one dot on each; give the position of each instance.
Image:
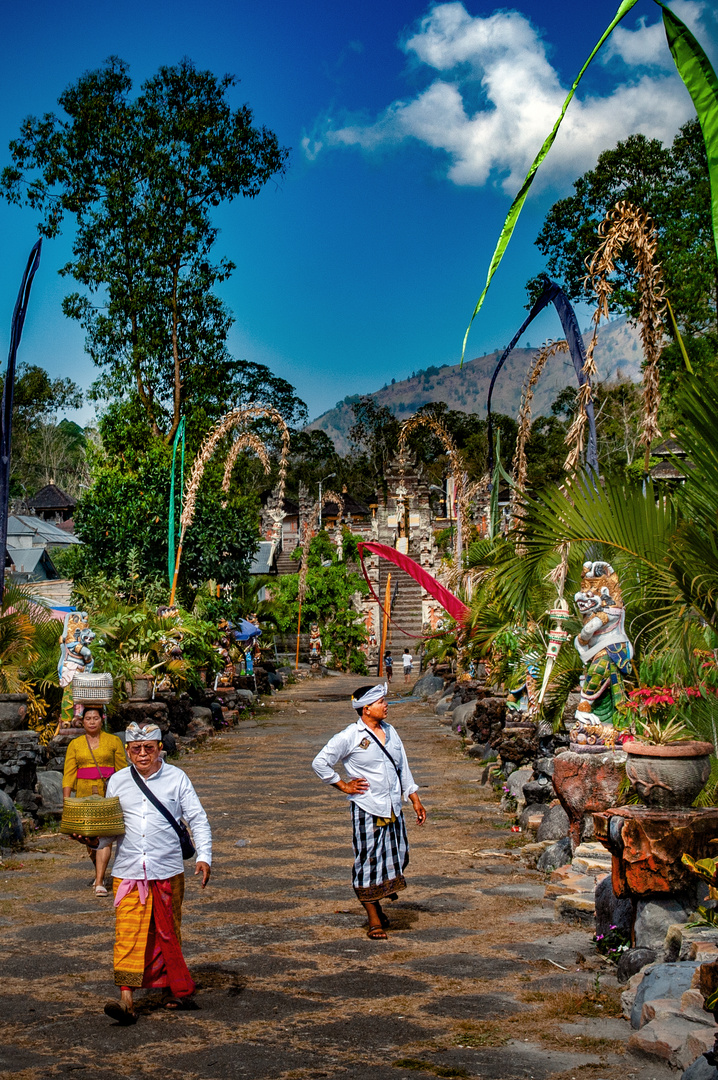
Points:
(669, 776)
(13, 711)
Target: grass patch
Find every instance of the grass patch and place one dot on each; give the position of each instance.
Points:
(571, 1002)
(488, 1034)
(429, 1066)
(518, 841)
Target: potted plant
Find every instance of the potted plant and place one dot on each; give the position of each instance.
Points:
(665, 767)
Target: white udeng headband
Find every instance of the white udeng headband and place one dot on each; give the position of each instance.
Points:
(135, 733)
(375, 694)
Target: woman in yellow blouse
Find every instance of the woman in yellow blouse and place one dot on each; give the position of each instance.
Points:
(81, 774)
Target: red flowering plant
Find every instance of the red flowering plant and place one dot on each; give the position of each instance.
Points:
(662, 714)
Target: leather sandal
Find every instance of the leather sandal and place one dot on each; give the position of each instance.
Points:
(376, 933)
(119, 1012)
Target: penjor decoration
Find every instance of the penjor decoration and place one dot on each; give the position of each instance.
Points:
(606, 652)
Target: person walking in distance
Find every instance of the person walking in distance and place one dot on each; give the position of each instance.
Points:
(379, 777)
(407, 662)
(388, 665)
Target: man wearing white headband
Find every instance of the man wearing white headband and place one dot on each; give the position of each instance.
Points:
(148, 875)
(374, 759)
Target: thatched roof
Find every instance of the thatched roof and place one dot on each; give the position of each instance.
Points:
(51, 498)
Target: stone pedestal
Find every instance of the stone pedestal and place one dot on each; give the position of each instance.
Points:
(20, 755)
(646, 845)
(587, 783)
(141, 712)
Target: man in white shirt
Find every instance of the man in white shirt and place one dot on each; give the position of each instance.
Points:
(148, 874)
(374, 758)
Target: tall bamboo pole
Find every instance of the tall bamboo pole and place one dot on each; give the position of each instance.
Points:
(385, 624)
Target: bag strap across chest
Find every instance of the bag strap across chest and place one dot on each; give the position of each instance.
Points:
(385, 752)
(155, 801)
(100, 777)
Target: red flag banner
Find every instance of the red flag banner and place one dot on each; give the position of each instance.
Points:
(455, 607)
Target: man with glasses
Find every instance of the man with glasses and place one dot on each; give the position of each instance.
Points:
(148, 875)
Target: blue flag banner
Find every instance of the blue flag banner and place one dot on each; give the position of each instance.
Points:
(551, 294)
(8, 390)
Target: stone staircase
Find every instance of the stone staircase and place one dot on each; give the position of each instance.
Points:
(406, 611)
(286, 564)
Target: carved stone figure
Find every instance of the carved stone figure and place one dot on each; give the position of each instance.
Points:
(75, 658)
(315, 647)
(606, 652)
(522, 698)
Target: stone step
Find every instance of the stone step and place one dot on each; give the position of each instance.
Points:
(591, 867)
(566, 881)
(592, 850)
(575, 905)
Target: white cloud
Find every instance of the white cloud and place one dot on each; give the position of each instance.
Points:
(500, 61)
(646, 46)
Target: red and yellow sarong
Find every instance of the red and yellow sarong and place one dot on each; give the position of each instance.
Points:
(148, 943)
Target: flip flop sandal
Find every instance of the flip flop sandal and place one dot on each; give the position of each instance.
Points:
(376, 933)
(119, 1012)
(100, 890)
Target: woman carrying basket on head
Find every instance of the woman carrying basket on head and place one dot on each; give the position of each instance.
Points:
(90, 761)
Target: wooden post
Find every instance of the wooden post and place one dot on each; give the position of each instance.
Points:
(299, 624)
(387, 603)
(174, 577)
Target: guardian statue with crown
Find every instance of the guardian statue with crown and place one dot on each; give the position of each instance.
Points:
(606, 652)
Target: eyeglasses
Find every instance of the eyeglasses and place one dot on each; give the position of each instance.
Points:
(139, 748)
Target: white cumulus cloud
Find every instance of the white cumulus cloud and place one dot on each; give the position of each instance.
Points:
(496, 96)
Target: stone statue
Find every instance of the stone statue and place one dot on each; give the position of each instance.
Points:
(315, 648)
(225, 677)
(606, 652)
(522, 699)
(75, 658)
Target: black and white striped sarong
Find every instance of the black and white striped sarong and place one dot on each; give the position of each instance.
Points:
(381, 854)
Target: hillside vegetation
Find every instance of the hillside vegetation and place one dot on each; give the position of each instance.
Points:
(466, 389)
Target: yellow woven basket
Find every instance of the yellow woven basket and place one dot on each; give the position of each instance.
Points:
(93, 816)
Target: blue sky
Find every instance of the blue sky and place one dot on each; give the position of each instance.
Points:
(410, 125)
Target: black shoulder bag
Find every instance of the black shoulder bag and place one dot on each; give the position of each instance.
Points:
(386, 752)
(188, 848)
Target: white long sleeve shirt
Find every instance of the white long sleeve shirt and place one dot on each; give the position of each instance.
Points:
(362, 759)
(150, 846)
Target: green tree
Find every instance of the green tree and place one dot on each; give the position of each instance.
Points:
(141, 179)
(43, 450)
(331, 587)
(124, 517)
(672, 184)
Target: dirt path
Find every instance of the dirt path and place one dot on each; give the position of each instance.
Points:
(476, 979)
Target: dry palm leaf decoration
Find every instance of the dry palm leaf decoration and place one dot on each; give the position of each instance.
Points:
(233, 419)
(247, 440)
(457, 468)
(627, 224)
(549, 349)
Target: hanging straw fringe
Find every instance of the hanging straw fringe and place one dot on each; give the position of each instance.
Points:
(217, 433)
(457, 465)
(549, 349)
(629, 224)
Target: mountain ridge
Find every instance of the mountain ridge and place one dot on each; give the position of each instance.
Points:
(618, 349)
